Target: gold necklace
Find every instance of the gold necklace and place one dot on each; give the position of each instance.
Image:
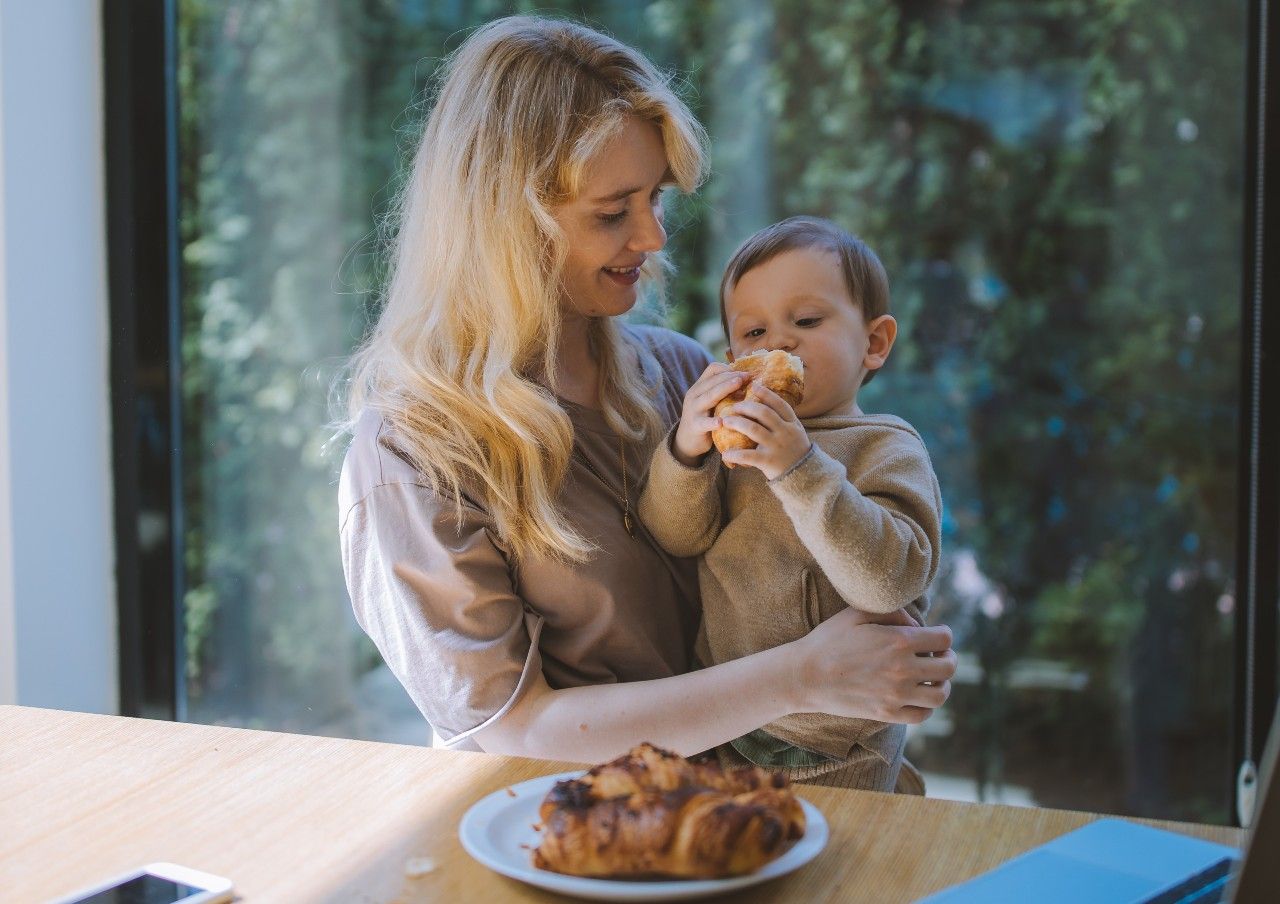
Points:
(623, 498)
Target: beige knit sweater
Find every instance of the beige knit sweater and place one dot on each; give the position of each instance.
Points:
(856, 522)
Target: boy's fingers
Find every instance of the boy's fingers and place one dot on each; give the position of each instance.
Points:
(758, 411)
(747, 427)
(706, 424)
(775, 401)
(716, 388)
(747, 458)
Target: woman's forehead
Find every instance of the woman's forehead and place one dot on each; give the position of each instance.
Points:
(632, 159)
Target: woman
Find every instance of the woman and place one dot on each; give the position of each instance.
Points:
(501, 415)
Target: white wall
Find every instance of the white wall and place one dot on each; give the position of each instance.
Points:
(8, 659)
(57, 584)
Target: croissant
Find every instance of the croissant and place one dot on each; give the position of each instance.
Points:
(779, 371)
(651, 814)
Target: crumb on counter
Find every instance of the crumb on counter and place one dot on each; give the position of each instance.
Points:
(417, 867)
(511, 793)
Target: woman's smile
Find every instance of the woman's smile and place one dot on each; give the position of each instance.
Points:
(623, 276)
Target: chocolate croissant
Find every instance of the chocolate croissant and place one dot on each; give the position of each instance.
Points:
(779, 371)
(652, 814)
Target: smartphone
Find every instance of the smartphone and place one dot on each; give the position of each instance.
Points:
(156, 883)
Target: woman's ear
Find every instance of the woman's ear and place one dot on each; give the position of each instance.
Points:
(881, 334)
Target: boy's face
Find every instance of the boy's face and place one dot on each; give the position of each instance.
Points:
(798, 302)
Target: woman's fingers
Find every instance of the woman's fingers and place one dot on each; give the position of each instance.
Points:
(937, 669)
(935, 639)
(897, 618)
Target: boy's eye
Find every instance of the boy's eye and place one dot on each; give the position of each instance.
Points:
(808, 321)
(754, 334)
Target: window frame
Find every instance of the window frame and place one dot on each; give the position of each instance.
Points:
(140, 106)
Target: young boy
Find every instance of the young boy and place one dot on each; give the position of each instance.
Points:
(832, 508)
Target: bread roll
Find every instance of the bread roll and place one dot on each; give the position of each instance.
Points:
(779, 371)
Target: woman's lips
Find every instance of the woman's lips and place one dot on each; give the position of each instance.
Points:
(623, 276)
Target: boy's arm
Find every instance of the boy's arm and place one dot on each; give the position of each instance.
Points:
(680, 506)
(877, 535)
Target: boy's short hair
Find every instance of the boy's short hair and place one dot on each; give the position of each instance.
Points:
(864, 275)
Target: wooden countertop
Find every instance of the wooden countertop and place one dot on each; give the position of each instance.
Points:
(298, 818)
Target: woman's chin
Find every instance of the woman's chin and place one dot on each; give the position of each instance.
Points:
(615, 302)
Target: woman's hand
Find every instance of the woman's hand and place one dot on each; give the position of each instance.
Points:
(772, 425)
(848, 667)
(693, 434)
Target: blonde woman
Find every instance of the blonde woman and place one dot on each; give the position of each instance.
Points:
(502, 417)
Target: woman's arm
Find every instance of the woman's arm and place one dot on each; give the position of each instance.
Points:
(844, 667)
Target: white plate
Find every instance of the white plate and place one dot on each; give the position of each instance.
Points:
(495, 828)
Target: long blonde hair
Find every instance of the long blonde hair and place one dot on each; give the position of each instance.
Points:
(473, 301)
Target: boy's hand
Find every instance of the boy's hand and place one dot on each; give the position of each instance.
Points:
(693, 434)
(780, 438)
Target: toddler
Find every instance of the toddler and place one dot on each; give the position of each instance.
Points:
(832, 508)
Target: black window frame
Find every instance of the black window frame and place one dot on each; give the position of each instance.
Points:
(140, 46)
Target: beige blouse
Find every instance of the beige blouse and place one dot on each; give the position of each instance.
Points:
(462, 627)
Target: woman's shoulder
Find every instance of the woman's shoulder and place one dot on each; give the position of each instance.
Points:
(374, 463)
(677, 353)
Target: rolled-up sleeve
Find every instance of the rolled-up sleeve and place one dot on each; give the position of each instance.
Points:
(438, 600)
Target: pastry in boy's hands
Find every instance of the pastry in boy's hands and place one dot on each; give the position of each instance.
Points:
(779, 371)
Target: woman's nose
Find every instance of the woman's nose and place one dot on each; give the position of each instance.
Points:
(650, 236)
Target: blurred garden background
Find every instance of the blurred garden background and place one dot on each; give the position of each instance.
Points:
(1055, 189)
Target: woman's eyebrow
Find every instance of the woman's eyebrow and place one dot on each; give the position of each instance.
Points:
(667, 177)
(617, 195)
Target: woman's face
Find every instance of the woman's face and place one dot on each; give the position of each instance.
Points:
(615, 222)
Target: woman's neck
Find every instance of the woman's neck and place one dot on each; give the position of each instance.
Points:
(577, 370)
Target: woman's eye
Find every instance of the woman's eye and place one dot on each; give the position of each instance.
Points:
(808, 321)
(755, 334)
(614, 217)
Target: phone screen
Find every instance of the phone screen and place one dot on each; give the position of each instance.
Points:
(144, 889)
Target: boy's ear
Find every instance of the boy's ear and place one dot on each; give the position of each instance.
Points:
(881, 334)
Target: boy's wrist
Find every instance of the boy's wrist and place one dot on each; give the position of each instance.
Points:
(689, 461)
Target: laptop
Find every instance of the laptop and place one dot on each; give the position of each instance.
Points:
(1114, 861)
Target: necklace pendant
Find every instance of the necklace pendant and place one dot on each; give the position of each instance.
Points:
(626, 522)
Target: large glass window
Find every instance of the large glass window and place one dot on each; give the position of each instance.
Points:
(1056, 191)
